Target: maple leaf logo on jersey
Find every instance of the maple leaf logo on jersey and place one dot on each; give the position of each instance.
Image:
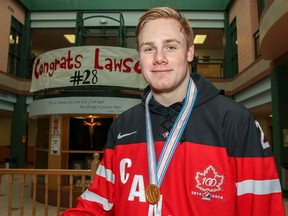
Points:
(209, 180)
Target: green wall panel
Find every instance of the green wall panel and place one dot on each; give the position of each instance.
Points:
(18, 129)
(46, 5)
(279, 90)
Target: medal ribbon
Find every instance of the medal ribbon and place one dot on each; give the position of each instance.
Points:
(158, 171)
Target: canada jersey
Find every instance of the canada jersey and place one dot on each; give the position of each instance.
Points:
(221, 166)
(191, 181)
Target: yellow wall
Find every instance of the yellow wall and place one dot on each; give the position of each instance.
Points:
(8, 8)
(246, 15)
(5, 131)
(5, 128)
(5, 137)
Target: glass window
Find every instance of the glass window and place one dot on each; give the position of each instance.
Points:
(101, 36)
(47, 39)
(257, 44)
(15, 39)
(234, 47)
(209, 55)
(261, 5)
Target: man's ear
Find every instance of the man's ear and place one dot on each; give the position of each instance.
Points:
(190, 53)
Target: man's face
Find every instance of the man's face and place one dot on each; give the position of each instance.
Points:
(164, 56)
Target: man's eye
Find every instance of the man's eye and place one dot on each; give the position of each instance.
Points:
(170, 48)
(148, 49)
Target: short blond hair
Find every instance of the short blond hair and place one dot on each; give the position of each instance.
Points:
(166, 13)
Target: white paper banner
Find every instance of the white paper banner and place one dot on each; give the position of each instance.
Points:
(86, 66)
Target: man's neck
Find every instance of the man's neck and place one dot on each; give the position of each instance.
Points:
(167, 99)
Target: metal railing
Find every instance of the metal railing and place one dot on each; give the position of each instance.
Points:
(55, 189)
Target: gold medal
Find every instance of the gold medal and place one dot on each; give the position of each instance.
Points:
(152, 194)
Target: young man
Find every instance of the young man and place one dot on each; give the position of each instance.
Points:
(186, 150)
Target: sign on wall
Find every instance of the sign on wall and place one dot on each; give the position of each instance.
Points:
(86, 66)
(80, 105)
(55, 134)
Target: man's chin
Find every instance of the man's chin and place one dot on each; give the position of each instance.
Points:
(162, 89)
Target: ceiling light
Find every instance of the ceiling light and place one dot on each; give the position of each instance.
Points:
(12, 41)
(70, 38)
(79, 117)
(200, 39)
(103, 21)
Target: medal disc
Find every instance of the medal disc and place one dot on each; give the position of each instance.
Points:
(152, 194)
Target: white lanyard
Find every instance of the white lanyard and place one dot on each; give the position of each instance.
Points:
(157, 170)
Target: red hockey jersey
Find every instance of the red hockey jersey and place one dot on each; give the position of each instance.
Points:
(222, 166)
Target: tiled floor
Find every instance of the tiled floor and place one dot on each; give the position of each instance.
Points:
(52, 211)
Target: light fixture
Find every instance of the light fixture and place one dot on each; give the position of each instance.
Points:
(70, 38)
(200, 39)
(103, 21)
(12, 41)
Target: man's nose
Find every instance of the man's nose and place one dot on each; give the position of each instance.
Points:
(160, 57)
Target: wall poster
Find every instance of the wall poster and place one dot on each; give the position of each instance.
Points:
(55, 134)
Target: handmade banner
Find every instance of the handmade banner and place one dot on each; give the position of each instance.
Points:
(86, 66)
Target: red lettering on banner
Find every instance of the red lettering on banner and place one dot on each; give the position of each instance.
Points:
(137, 68)
(116, 65)
(127, 68)
(96, 59)
(109, 65)
(68, 59)
(66, 62)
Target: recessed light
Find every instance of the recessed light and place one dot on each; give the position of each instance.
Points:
(70, 38)
(200, 39)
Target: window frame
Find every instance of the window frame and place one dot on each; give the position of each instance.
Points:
(15, 47)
